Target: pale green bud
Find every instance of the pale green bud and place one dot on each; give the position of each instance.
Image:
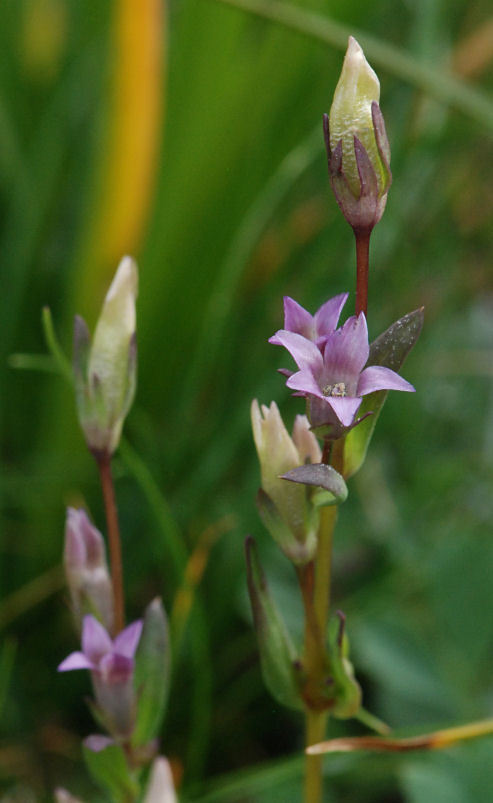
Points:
(105, 372)
(160, 788)
(284, 506)
(356, 141)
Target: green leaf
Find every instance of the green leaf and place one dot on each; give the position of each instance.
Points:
(278, 656)
(108, 768)
(389, 350)
(347, 691)
(152, 671)
(322, 476)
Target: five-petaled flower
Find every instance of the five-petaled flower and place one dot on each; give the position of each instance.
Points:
(333, 376)
(112, 660)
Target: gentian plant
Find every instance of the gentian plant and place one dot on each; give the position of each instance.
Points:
(129, 665)
(344, 380)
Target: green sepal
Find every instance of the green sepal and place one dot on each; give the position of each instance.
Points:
(298, 552)
(278, 657)
(152, 673)
(332, 490)
(390, 349)
(99, 716)
(108, 768)
(347, 692)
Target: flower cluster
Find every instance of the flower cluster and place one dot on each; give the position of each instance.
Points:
(331, 361)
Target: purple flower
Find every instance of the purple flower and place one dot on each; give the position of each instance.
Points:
(111, 662)
(334, 378)
(314, 327)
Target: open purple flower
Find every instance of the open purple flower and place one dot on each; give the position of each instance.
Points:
(113, 660)
(111, 663)
(334, 379)
(314, 327)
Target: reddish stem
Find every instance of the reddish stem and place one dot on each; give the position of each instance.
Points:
(362, 258)
(104, 465)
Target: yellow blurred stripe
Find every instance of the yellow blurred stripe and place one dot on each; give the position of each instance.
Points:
(130, 152)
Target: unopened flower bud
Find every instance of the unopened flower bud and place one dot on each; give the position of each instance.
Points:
(283, 505)
(86, 570)
(160, 788)
(105, 372)
(357, 144)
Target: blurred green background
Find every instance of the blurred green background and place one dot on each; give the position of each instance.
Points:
(191, 137)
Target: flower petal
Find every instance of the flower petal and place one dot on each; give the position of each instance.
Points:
(126, 642)
(346, 353)
(303, 351)
(305, 382)
(97, 742)
(76, 660)
(327, 317)
(297, 318)
(95, 640)
(377, 377)
(344, 408)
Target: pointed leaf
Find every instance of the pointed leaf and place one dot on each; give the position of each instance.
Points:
(322, 476)
(108, 768)
(389, 350)
(152, 670)
(347, 689)
(277, 653)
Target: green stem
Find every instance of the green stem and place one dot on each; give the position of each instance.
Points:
(317, 609)
(323, 566)
(316, 722)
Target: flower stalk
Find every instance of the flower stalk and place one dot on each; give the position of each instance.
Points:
(362, 239)
(104, 465)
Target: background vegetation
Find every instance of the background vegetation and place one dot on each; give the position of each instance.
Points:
(192, 138)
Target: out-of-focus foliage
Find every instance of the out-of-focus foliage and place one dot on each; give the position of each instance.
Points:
(186, 136)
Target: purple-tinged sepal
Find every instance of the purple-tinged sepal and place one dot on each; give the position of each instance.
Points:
(356, 141)
(86, 570)
(105, 371)
(388, 351)
(329, 484)
(278, 657)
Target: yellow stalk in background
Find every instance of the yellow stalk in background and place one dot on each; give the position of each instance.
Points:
(437, 740)
(125, 183)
